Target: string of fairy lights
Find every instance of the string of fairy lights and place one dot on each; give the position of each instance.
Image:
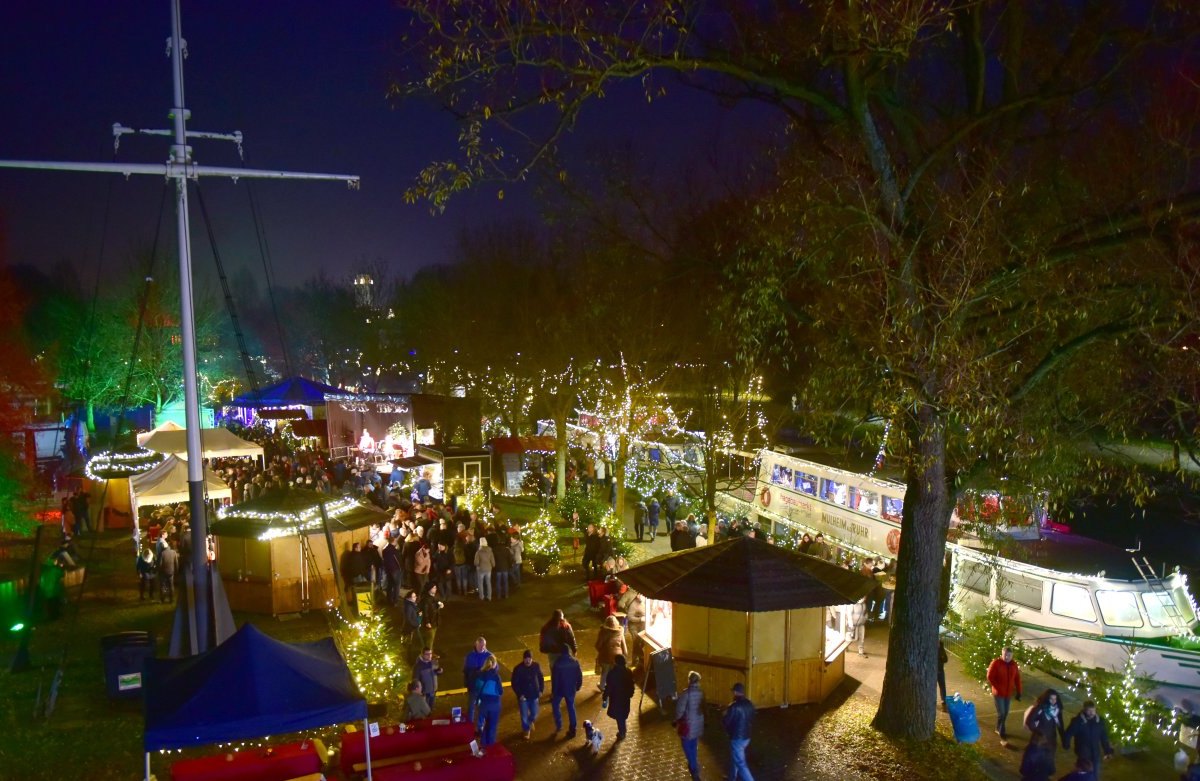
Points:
(117, 464)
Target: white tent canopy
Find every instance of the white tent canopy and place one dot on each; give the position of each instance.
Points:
(168, 425)
(167, 483)
(214, 443)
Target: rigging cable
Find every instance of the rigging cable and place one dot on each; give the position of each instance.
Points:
(264, 254)
(229, 303)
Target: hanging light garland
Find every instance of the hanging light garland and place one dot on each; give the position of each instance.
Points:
(115, 464)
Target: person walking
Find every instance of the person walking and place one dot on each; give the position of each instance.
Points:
(737, 721)
(619, 691)
(1037, 762)
(591, 545)
(391, 566)
(610, 643)
(689, 722)
(859, 614)
(554, 634)
(639, 519)
(1089, 732)
(566, 678)
(485, 562)
(427, 669)
(431, 613)
(1004, 677)
(1045, 717)
(517, 550)
(472, 666)
(943, 657)
(652, 508)
(528, 683)
(487, 693)
(145, 571)
(168, 564)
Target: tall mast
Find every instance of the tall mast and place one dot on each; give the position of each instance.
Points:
(181, 167)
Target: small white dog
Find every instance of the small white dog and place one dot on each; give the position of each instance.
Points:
(593, 736)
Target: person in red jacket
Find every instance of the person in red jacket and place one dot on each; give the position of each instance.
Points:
(1005, 680)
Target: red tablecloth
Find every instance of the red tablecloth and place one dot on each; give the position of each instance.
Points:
(495, 765)
(421, 735)
(283, 762)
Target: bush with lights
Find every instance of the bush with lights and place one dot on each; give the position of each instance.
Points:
(1122, 697)
(371, 652)
(541, 543)
(575, 501)
(982, 638)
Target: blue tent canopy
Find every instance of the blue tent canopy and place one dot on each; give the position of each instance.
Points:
(293, 390)
(249, 686)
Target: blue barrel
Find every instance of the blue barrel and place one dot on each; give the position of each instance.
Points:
(962, 718)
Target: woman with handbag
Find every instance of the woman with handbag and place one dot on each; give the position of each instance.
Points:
(689, 721)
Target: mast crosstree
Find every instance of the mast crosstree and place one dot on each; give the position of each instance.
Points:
(181, 167)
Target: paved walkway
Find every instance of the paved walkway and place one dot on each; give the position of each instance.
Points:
(651, 749)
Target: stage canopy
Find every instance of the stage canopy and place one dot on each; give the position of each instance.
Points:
(747, 575)
(293, 511)
(248, 687)
(293, 390)
(214, 442)
(167, 483)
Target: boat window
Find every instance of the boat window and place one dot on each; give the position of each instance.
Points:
(1119, 608)
(864, 501)
(781, 475)
(806, 483)
(1020, 590)
(1072, 602)
(1160, 607)
(833, 491)
(1184, 604)
(976, 577)
(893, 508)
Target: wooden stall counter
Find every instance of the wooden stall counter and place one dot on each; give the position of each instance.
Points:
(274, 763)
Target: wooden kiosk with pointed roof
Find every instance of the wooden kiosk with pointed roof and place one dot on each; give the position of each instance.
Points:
(744, 611)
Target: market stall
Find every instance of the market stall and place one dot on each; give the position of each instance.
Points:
(167, 483)
(250, 686)
(294, 398)
(452, 470)
(513, 458)
(745, 611)
(214, 443)
(273, 554)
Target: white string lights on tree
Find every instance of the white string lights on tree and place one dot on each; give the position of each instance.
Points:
(285, 524)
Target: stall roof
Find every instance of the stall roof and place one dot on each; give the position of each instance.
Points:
(214, 443)
(166, 425)
(413, 462)
(167, 483)
(250, 686)
(747, 575)
(293, 390)
(523, 444)
(291, 512)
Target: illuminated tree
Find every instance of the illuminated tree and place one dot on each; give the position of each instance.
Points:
(970, 223)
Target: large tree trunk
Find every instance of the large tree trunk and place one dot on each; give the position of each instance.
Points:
(90, 417)
(908, 705)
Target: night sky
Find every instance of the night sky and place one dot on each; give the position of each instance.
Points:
(305, 82)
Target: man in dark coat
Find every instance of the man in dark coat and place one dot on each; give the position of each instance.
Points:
(618, 688)
(737, 721)
(566, 678)
(1090, 734)
(591, 545)
(528, 683)
(681, 538)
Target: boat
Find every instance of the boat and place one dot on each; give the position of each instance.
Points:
(1080, 599)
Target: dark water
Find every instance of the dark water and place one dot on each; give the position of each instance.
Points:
(1168, 528)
